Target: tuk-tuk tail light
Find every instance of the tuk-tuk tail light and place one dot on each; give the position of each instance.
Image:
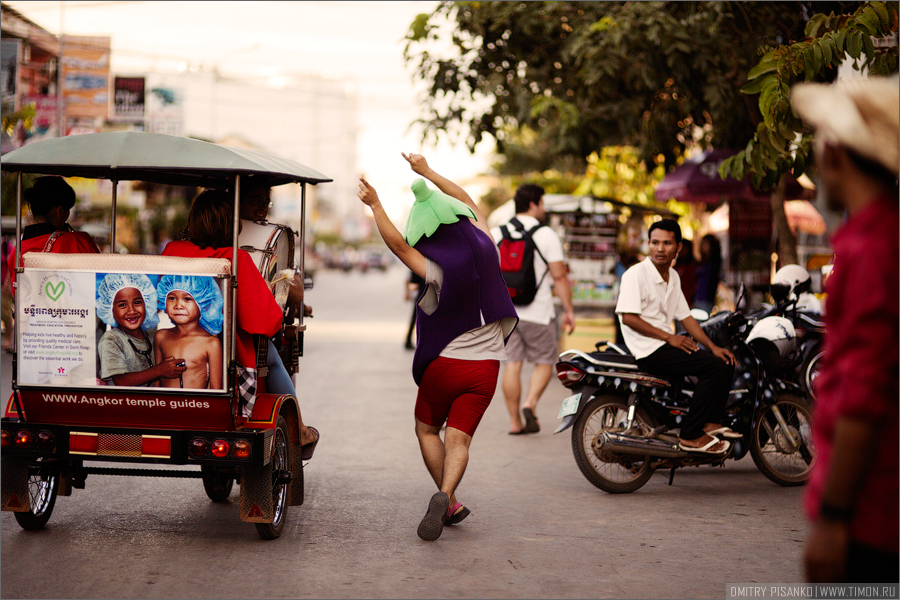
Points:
(220, 448)
(23, 438)
(198, 447)
(242, 449)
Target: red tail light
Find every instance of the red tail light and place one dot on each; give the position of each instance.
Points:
(569, 374)
(45, 440)
(7, 438)
(23, 439)
(198, 447)
(220, 448)
(241, 449)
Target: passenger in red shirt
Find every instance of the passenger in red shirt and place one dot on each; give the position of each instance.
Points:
(852, 494)
(210, 234)
(51, 200)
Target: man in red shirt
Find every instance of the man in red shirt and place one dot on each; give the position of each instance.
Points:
(852, 495)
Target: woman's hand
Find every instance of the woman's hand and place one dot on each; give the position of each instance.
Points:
(417, 162)
(367, 193)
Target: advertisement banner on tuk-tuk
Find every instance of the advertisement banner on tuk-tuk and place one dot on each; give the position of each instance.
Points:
(90, 329)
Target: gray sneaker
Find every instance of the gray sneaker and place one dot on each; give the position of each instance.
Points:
(432, 524)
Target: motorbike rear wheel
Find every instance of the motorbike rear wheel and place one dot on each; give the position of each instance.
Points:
(611, 472)
(781, 444)
(281, 463)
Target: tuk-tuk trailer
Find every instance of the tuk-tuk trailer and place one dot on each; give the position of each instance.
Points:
(62, 422)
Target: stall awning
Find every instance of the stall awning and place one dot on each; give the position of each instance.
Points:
(697, 180)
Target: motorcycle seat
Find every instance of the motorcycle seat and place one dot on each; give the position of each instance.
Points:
(622, 360)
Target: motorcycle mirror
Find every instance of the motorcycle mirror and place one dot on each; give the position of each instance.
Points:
(741, 291)
(780, 292)
(699, 314)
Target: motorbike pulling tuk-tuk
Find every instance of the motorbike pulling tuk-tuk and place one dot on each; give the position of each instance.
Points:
(62, 419)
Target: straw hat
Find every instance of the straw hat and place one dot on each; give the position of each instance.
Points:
(862, 114)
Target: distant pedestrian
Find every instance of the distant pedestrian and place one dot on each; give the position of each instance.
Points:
(852, 494)
(536, 337)
(464, 318)
(686, 267)
(709, 272)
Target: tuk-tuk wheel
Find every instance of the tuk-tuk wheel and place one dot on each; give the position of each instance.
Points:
(42, 490)
(281, 464)
(216, 485)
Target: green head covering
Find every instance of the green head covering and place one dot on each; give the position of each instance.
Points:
(432, 209)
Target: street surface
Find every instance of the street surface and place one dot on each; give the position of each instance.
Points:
(538, 529)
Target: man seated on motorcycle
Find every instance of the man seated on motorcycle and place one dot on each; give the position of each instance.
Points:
(650, 297)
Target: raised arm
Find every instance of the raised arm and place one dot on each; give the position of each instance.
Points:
(420, 166)
(408, 255)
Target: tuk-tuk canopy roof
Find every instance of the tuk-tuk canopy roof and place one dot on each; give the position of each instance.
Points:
(153, 157)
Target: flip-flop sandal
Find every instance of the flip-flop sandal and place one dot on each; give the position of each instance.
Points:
(531, 424)
(306, 450)
(432, 524)
(725, 432)
(705, 449)
(454, 517)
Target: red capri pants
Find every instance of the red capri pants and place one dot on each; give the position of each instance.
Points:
(458, 391)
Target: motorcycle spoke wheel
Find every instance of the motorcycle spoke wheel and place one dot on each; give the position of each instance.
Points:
(612, 472)
(782, 445)
(281, 462)
(810, 372)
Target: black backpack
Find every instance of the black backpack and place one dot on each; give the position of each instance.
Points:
(517, 263)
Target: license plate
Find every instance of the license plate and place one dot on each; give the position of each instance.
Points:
(569, 406)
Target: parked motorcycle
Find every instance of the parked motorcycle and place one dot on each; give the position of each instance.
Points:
(805, 313)
(625, 422)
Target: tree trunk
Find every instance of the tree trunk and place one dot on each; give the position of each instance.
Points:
(785, 240)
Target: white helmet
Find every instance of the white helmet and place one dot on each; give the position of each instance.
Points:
(809, 303)
(795, 277)
(774, 333)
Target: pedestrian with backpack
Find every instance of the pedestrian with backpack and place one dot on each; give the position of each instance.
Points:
(531, 261)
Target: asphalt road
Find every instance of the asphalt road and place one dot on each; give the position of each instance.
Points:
(538, 529)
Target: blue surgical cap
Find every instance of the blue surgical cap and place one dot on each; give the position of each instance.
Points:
(206, 294)
(110, 284)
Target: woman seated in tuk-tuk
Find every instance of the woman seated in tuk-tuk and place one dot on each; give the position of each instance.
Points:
(210, 233)
(51, 199)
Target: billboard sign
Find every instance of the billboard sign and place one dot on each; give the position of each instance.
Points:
(128, 98)
(85, 70)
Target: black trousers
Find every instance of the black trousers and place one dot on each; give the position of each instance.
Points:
(714, 377)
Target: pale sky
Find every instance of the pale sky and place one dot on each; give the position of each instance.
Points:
(362, 41)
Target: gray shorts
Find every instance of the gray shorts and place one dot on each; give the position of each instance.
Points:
(535, 343)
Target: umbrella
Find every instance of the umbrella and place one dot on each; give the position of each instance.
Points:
(802, 215)
(697, 180)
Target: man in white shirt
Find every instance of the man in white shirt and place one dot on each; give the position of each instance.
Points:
(535, 338)
(650, 297)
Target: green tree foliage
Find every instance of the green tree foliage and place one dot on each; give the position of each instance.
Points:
(780, 142)
(584, 75)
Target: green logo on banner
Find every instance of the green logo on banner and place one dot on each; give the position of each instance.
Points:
(54, 291)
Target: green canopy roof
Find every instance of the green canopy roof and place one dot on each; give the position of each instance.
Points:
(140, 156)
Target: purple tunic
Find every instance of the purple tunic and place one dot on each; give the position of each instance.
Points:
(473, 286)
